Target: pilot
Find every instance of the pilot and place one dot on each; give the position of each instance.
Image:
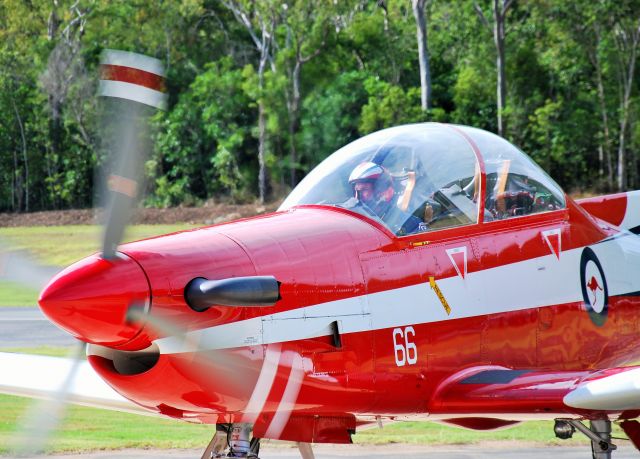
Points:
(374, 191)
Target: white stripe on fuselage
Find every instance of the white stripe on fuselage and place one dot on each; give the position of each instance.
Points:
(632, 213)
(543, 281)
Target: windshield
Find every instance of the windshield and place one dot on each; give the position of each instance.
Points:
(410, 178)
(423, 177)
(515, 185)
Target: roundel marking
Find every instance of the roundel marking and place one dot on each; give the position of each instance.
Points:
(594, 287)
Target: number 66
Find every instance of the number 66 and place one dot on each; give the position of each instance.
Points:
(405, 352)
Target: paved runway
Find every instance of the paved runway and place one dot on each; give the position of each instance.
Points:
(28, 327)
(483, 451)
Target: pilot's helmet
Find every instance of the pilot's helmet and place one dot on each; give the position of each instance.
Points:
(372, 185)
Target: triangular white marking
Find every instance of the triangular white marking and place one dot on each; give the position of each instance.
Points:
(458, 257)
(553, 239)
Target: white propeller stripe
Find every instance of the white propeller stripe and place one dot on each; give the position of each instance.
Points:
(134, 92)
(133, 60)
(289, 397)
(263, 385)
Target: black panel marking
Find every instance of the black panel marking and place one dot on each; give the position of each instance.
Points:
(494, 377)
(335, 334)
(616, 236)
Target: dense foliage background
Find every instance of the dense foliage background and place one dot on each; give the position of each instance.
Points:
(283, 84)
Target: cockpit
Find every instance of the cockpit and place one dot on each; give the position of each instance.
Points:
(424, 177)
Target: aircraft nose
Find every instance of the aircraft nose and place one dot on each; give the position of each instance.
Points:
(90, 299)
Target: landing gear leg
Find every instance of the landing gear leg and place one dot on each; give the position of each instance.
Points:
(218, 443)
(599, 432)
(232, 440)
(602, 447)
(305, 450)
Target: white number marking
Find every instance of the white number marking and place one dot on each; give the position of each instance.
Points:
(405, 352)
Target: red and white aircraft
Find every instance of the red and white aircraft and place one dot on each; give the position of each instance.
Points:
(459, 284)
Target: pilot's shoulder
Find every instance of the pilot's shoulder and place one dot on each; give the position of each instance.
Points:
(350, 203)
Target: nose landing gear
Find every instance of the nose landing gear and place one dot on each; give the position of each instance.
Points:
(234, 440)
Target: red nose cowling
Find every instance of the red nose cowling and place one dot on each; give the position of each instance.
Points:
(90, 299)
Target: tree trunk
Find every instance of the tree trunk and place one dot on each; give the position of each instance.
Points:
(633, 159)
(50, 175)
(606, 147)
(294, 108)
(24, 155)
(423, 53)
(624, 109)
(55, 129)
(14, 183)
(499, 13)
(622, 170)
(294, 99)
(500, 8)
(262, 130)
(262, 138)
(264, 46)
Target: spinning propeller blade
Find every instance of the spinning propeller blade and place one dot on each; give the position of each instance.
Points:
(132, 87)
(209, 359)
(276, 362)
(44, 417)
(20, 267)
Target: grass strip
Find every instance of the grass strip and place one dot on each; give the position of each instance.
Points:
(12, 294)
(431, 433)
(53, 351)
(62, 245)
(86, 429)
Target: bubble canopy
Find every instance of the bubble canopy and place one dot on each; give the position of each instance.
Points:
(429, 176)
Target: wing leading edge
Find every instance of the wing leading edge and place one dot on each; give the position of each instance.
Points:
(500, 391)
(37, 376)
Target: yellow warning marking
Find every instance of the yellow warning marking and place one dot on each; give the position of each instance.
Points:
(443, 300)
(420, 243)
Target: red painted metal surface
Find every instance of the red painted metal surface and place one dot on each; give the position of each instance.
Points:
(329, 255)
(632, 429)
(314, 429)
(322, 255)
(610, 208)
(90, 300)
(480, 423)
